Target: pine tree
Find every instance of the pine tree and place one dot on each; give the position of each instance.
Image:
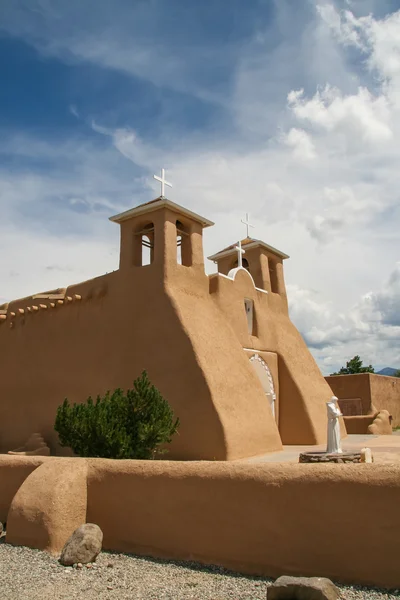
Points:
(134, 424)
(354, 366)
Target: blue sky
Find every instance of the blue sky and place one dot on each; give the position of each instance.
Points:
(286, 109)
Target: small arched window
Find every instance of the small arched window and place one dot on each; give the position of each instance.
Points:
(245, 264)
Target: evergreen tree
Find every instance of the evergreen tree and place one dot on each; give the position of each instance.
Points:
(354, 366)
(118, 425)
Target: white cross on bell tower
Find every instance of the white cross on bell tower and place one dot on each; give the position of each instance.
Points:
(240, 252)
(163, 182)
(247, 223)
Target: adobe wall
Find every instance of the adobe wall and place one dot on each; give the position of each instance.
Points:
(353, 386)
(85, 348)
(13, 472)
(267, 519)
(358, 424)
(303, 392)
(261, 519)
(385, 393)
(237, 394)
(377, 392)
(159, 318)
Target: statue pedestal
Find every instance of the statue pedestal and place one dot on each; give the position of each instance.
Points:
(324, 457)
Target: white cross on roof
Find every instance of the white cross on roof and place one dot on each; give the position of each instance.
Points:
(247, 223)
(163, 182)
(240, 252)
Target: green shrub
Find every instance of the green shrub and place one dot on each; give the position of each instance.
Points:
(118, 425)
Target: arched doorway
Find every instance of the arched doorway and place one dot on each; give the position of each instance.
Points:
(265, 377)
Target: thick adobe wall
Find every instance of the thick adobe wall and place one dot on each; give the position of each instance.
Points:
(124, 323)
(216, 374)
(358, 424)
(104, 332)
(303, 392)
(385, 394)
(262, 519)
(13, 472)
(50, 504)
(377, 392)
(237, 395)
(354, 386)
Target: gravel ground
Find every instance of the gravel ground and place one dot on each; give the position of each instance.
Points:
(26, 573)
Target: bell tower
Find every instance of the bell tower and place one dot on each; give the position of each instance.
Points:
(161, 235)
(264, 263)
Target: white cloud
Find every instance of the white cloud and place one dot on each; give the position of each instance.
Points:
(302, 144)
(361, 114)
(371, 328)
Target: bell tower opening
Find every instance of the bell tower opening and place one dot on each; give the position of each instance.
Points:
(143, 246)
(273, 276)
(183, 245)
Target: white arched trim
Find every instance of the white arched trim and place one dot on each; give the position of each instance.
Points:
(233, 272)
(258, 364)
(266, 367)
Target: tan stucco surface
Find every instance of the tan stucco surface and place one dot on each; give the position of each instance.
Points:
(353, 386)
(377, 392)
(385, 394)
(13, 472)
(187, 329)
(358, 424)
(49, 505)
(326, 520)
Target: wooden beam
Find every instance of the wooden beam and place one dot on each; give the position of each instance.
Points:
(48, 297)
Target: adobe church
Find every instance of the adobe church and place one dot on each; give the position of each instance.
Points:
(221, 348)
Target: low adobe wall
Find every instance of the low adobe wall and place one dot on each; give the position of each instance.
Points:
(13, 472)
(267, 519)
(358, 424)
(385, 394)
(272, 519)
(377, 392)
(353, 386)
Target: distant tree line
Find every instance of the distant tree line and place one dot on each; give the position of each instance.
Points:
(355, 365)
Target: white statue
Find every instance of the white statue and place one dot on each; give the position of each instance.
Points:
(333, 426)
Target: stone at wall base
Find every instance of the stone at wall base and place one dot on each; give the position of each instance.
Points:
(324, 457)
(303, 588)
(83, 546)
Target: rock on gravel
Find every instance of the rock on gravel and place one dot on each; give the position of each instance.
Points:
(83, 546)
(27, 574)
(303, 588)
